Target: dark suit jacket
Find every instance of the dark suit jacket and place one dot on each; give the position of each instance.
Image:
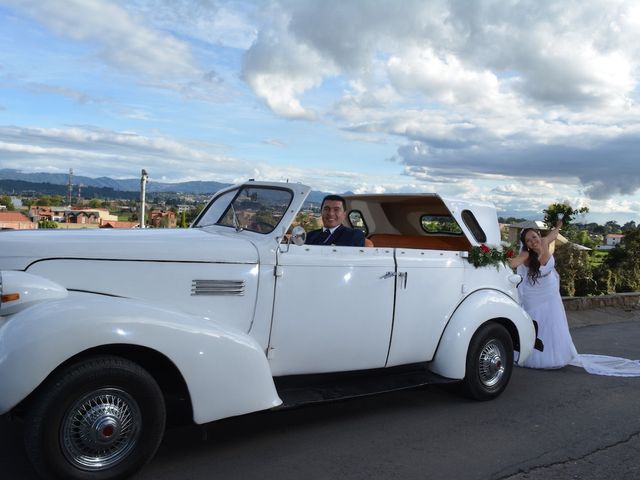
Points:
(342, 236)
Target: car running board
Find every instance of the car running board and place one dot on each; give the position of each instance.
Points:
(296, 390)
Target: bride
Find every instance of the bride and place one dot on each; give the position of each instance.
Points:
(539, 294)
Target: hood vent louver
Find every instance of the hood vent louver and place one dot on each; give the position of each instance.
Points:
(217, 287)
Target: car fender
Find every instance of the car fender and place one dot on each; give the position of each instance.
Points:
(225, 370)
(476, 309)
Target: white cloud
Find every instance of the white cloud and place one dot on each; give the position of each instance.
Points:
(221, 22)
(440, 78)
(98, 152)
(120, 40)
(279, 69)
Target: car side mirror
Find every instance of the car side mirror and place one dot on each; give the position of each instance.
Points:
(298, 235)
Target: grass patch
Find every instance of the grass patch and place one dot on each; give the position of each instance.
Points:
(597, 257)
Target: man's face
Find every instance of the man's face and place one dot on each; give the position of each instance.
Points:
(332, 213)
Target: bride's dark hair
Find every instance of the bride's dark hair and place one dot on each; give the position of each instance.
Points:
(533, 262)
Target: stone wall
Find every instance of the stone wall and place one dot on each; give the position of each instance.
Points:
(621, 300)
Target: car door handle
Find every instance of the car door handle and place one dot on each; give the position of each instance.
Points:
(402, 276)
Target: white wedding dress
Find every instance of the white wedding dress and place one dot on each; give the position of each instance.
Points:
(543, 303)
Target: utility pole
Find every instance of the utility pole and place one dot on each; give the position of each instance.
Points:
(70, 187)
(143, 186)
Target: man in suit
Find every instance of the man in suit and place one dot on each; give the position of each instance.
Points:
(333, 211)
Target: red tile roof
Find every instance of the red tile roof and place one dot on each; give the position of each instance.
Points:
(13, 217)
(114, 224)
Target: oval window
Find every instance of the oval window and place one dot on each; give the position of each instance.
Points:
(472, 224)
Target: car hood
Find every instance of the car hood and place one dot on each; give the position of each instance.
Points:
(20, 249)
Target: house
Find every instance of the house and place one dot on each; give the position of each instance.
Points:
(16, 221)
(83, 217)
(38, 212)
(118, 224)
(515, 229)
(90, 216)
(611, 240)
(162, 218)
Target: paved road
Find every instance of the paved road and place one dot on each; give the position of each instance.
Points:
(563, 424)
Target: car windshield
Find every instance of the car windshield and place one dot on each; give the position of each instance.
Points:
(256, 209)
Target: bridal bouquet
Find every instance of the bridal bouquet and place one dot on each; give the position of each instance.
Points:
(483, 255)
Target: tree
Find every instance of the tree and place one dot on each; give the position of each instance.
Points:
(307, 221)
(583, 238)
(624, 262)
(553, 212)
(57, 200)
(183, 219)
(194, 212)
(612, 227)
(95, 203)
(47, 224)
(576, 277)
(629, 227)
(6, 201)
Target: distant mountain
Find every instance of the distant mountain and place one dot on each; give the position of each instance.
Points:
(124, 185)
(15, 181)
(11, 187)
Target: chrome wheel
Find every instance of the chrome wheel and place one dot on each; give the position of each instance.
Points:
(100, 429)
(491, 366)
(489, 362)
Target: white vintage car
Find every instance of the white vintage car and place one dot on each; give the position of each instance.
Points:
(103, 333)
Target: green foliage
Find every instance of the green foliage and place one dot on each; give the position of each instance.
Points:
(574, 268)
(483, 256)
(554, 211)
(95, 203)
(307, 221)
(6, 201)
(605, 280)
(47, 224)
(628, 271)
(440, 224)
(619, 269)
(194, 212)
(597, 258)
(183, 219)
(50, 201)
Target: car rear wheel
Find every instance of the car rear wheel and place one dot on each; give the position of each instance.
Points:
(102, 419)
(489, 362)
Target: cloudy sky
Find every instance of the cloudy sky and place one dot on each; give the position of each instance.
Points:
(522, 103)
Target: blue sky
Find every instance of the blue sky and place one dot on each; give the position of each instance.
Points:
(519, 103)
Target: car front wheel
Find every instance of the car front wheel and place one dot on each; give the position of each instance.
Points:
(489, 362)
(102, 419)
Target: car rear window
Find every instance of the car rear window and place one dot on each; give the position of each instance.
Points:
(440, 224)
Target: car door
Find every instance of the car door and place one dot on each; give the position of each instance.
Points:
(333, 309)
(429, 287)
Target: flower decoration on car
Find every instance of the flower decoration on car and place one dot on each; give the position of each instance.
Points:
(483, 255)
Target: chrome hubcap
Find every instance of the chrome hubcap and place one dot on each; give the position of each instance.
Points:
(491, 364)
(100, 429)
